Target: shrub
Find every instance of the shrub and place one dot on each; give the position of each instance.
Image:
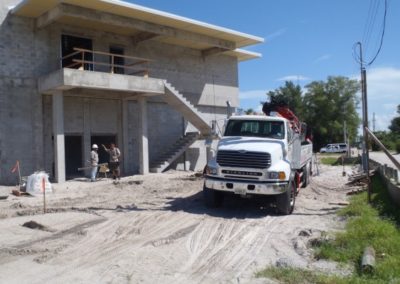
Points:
(398, 146)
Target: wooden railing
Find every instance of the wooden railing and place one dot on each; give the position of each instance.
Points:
(85, 59)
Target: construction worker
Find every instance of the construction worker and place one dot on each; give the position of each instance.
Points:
(94, 161)
(113, 163)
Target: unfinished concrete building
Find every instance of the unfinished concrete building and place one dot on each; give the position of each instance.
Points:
(74, 73)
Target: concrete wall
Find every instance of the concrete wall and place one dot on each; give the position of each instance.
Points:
(22, 53)
(26, 115)
(391, 178)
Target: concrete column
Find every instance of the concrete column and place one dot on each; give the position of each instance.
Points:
(143, 137)
(86, 133)
(58, 133)
(120, 136)
(125, 141)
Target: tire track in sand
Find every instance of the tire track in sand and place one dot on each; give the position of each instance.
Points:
(219, 247)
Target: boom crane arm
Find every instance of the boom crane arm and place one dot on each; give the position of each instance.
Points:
(283, 111)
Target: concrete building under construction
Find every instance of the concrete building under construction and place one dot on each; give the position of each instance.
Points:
(74, 73)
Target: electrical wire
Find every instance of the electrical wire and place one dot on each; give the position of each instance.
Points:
(382, 36)
(367, 34)
(370, 24)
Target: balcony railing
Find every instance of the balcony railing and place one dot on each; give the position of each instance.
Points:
(85, 59)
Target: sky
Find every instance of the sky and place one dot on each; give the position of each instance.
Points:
(307, 41)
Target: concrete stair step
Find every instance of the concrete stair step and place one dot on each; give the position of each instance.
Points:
(163, 162)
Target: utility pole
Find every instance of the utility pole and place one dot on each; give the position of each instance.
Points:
(365, 154)
(346, 139)
(373, 122)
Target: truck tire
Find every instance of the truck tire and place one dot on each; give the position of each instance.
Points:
(285, 201)
(212, 198)
(306, 176)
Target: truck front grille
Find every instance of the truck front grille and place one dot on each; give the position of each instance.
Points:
(242, 159)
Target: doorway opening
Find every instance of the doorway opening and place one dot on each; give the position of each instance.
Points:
(117, 60)
(68, 43)
(73, 156)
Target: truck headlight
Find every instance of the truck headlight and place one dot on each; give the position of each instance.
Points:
(211, 171)
(277, 175)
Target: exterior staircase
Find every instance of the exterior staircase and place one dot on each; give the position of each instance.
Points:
(180, 146)
(189, 112)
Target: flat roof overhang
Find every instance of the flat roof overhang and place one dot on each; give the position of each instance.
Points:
(67, 79)
(140, 23)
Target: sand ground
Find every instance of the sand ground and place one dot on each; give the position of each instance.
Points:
(156, 229)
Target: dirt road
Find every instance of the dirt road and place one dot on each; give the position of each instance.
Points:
(155, 229)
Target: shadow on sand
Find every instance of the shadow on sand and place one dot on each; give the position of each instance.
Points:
(233, 206)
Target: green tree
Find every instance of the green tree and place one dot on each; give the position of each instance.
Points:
(389, 139)
(249, 111)
(291, 94)
(328, 106)
(395, 131)
(395, 123)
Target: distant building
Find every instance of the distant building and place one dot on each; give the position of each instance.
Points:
(74, 73)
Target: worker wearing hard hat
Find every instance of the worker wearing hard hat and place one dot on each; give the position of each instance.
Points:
(94, 161)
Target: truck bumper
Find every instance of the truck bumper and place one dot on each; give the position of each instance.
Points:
(246, 187)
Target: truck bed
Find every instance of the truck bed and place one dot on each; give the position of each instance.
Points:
(302, 154)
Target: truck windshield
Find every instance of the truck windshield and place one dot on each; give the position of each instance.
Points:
(256, 128)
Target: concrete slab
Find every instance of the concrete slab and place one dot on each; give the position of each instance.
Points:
(66, 78)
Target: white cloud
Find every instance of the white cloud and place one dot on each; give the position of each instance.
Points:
(383, 84)
(382, 121)
(294, 78)
(383, 92)
(253, 95)
(390, 106)
(252, 99)
(276, 34)
(323, 58)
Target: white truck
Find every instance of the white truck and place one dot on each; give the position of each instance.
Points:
(259, 156)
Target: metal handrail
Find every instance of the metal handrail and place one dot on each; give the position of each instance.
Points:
(81, 62)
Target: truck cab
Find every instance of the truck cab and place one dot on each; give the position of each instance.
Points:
(257, 155)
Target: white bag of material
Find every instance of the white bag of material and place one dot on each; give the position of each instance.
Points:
(34, 184)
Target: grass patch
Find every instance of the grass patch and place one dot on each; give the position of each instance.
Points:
(331, 161)
(297, 276)
(337, 161)
(376, 225)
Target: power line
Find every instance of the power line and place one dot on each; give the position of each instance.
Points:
(382, 36)
(367, 33)
(370, 23)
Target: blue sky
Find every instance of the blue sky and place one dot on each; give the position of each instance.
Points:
(305, 41)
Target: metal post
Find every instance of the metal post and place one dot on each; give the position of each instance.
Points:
(365, 157)
(44, 194)
(228, 109)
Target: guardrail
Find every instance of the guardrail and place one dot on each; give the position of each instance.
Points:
(114, 63)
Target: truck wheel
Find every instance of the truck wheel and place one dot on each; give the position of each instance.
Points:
(212, 198)
(285, 201)
(306, 176)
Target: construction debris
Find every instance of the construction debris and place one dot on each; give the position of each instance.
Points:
(368, 260)
(357, 190)
(358, 182)
(340, 203)
(37, 226)
(17, 192)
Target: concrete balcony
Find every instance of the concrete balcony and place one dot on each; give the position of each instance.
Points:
(66, 79)
(111, 72)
